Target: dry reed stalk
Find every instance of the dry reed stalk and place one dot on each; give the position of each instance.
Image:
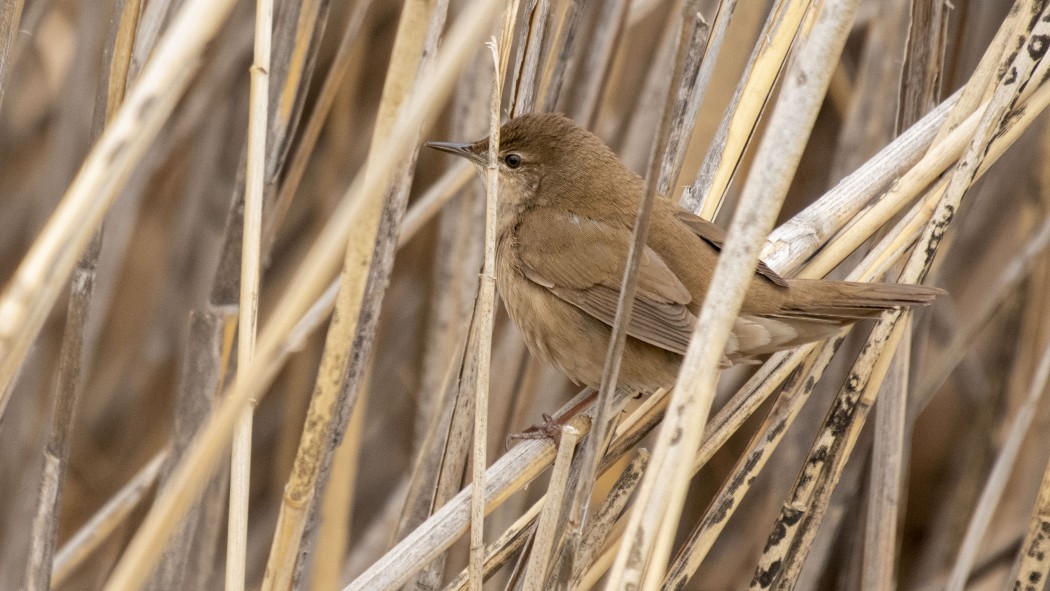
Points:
(693, 66)
(530, 49)
(920, 81)
(923, 66)
(188, 560)
(781, 562)
(940, 156)
(664, 160)
(971, 372)
(248, 309)
(480, 349)
(706, 194)
(783, 413)
(32, 291)
(1033, 561)
(1000, 289)
(339, 374)
(996, 482)
(296, 51)
(544, 535)
(341, 64)
(68, 383)
(797, 389)
(516, 536)
(591, 76)
(338, 500)
(635, 144)
(562, 43)
(428, 467)
(793, 242)
(499, 552)
(459, 254)
(879, 561)
(604, 522)
(186, 480)
(651, 529)
(868, 124)
(826, 216)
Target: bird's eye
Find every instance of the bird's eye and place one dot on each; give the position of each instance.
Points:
(513, 160)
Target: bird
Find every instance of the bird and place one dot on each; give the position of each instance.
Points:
(566, 211)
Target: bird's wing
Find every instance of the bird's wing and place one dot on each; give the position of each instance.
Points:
(570, 255)
(715, 236)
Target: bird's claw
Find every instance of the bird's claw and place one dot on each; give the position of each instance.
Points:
(550, 428)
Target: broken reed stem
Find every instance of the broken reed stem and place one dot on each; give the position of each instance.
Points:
(66, 389)
(543, 538)
(248, 311)
(694, 64)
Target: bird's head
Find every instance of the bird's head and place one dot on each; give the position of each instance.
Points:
(542, 149)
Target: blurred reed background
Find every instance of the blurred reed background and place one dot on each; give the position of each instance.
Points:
(117, 339)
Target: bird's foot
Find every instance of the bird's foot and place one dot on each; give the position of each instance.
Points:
(550, 428)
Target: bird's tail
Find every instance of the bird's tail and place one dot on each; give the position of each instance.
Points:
(848, 300)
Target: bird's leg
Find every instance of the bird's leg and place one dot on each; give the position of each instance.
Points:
(551, 426)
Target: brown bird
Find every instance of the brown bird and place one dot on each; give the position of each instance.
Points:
(566, 212)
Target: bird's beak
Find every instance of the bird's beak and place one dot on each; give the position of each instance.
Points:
(461, 150)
